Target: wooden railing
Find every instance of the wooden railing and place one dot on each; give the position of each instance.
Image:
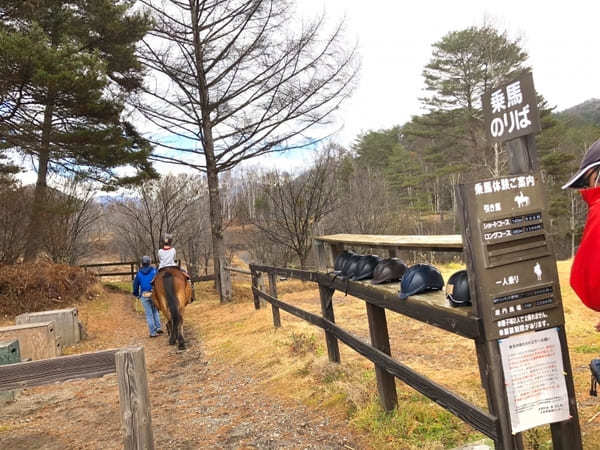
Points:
(131, 272)
(130, 367)
(426, 308)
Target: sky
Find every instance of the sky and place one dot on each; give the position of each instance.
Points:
(395, 42)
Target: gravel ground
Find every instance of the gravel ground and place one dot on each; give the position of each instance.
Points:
(196, 403)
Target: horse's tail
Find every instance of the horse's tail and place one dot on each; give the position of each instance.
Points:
(172, 301)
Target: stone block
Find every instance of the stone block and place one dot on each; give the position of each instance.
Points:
(65, 320)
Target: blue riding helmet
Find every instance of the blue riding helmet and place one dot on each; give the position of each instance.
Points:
(420, 278)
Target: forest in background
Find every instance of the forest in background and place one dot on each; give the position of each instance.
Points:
(74, 76)
(383, 184)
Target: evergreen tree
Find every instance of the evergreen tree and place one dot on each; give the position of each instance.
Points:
(464, 65)
(73, 64)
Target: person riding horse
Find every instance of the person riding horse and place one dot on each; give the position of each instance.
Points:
(173, 291)
(167, 256)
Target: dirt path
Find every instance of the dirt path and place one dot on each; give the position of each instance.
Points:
(196, 403)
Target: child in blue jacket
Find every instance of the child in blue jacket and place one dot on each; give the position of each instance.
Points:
(142, 289)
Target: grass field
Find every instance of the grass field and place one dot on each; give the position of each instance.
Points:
(292, 362)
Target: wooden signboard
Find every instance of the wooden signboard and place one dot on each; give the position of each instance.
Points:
(511, 110)
(517, 281)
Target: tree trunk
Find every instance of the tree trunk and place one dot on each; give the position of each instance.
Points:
(222, 278)
(34, 241)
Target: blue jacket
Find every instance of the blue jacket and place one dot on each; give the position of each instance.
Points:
(142, 280)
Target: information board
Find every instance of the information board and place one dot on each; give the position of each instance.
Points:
(535, 379)
(514, 266)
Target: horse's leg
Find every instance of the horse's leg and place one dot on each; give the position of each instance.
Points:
(172, 332)
(180, 340)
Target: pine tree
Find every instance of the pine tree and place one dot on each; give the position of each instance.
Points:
(73, 64)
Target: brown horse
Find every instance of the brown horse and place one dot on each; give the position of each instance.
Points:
(172, 292)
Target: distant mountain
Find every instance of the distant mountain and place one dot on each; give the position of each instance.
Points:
(587, 112)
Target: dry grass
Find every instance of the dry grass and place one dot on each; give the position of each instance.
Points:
(40, 286)
(292, 362)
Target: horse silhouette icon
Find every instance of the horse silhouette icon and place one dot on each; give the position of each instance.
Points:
(522, 200)
(537, 270)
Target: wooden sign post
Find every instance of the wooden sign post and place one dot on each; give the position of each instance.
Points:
(514, 282)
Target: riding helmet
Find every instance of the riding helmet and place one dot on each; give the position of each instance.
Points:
(420, 278)
(168, 239)
(350, 267)
(365, 268)
(340, 260)
(145, 260)
(457, 289)
(389, 269)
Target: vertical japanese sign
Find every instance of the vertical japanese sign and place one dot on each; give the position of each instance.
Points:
(535, 379)
(511, 110)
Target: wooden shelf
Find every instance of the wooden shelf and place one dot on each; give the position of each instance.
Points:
(446, 242)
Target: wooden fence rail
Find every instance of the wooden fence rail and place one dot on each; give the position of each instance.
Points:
(130, 367)
(131, 272)
(379, 350)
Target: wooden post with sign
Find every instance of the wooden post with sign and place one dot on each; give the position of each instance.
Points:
(514, 282)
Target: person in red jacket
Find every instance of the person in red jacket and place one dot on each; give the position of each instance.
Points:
(585, 278)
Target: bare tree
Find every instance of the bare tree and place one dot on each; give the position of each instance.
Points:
(235, 79)
(13, 204)
(365, 203)
(70, 213)
(173, 204)
(291, 207)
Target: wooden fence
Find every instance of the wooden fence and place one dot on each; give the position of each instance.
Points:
(130, 367)
(386, 368)
(133, 265)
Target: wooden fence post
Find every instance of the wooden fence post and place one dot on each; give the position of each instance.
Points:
(136, 421)
(386, 383)
(255, 285)
(273, 293)
(260, 284)
(132, 271)
(326, 294)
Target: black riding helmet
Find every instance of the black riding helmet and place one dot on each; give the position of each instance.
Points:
(366, 265)
(340, 260)
(420, 278)
(457, 289)
(389, 269)
(350, 267)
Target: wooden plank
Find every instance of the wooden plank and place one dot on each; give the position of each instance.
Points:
(305, 275)
(111, 274)
(522, 155)
(380, 339)
(209, 277)
(468, 412)
(566, 435)
(63, 368)
(235, 269)
(126, 263)
(273, 292)
(326, 295)
(136, 421)
(449, 242)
